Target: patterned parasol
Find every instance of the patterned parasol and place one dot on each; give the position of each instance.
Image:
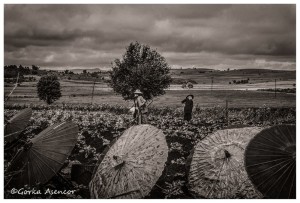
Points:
(42, 156)
(132, 165)
(217, 165)
(270, 161)
(16, 125)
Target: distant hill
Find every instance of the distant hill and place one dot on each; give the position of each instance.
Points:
(207, 76)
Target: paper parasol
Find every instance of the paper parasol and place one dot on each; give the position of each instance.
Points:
(270, 161)
(217, 164)
(16, 125)
(132, 165)
(43, 156)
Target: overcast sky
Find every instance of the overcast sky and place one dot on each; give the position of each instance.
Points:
(203, 36)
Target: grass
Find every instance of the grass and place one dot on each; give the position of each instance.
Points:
(80, 92)
(204, 98)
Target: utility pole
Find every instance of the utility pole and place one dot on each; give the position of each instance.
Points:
(93, 90)
(212, 82)
(227, 115)
(275, 88)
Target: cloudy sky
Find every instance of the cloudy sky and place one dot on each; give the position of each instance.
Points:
(203, 36)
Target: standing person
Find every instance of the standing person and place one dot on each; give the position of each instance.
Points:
(188, 107)
(141, 109)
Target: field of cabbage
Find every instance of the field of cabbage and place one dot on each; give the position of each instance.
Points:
(101, 124)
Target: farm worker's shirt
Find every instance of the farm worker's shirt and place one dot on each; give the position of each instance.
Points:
(140, 101)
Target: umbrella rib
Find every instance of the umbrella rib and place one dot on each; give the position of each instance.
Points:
(135, 149)
(47, 150)
(39, 145)
(268, 179)
(137, 184)
(48, 138)
(144, 141)
(280, 153)
(47, 156)
(283, 135)
(61, 132)
(28, 169)
(44, 135)
(277, 137)
(288, 165)
(267, 155)
(47, 164)
(54, 139)
(287, 178)
(270, 146)
(217, 178)
(111, 183)
(265, 138)
(292, 182)
(127, 138)
(11, 134)
(50, 146)
(280, 177)
(31, 168)
(137, 146)
(260, 163)
(269, 168)
(291, 134)
(38, 166)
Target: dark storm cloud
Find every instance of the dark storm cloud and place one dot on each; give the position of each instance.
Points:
(187, 35)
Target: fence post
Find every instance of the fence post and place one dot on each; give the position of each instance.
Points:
(227, 115)
(275, 88)
(212, 82)
(93, 91)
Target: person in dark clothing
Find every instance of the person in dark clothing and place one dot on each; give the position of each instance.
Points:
(188, 107)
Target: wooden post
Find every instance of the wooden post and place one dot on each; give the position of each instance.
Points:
(275, 88)
(227, 115)
(93, 91)
(212, 82)
(16, 85)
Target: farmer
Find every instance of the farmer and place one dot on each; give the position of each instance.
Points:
(188, 107)
(141, 109)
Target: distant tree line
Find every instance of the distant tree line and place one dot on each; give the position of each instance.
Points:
(11, 71)
(240, 81)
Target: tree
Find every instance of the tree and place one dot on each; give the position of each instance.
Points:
(48, 88)
(140, 68)
(35, 69)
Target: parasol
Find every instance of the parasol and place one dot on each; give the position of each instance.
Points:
(270, 161)
(16, 125)
(217, 167)
(132, 165)
(43, 156)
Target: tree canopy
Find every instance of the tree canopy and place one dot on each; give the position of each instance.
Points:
(140, 68)
(48, 88)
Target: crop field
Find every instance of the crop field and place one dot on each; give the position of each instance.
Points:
(99, 125)
(81, 93)
(103, 117)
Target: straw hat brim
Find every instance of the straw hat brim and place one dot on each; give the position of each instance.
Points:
(190, 95)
